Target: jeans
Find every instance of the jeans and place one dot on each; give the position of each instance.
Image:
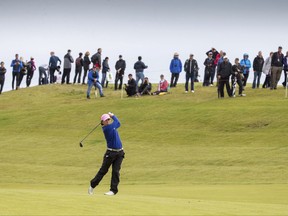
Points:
(110, 158)
(97, 85)
(139, 75)
(42, 80)
(212, 75)
(51, 73)
(77, 73)
(189, 76)
(257, 76)
(119, 77)
(16, 75)
(103, 79)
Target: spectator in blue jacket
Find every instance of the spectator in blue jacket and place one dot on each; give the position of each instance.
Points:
(53, 63)
(93, 80)
(175, 69)
(16, 65)
(246, 64)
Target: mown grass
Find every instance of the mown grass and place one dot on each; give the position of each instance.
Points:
(186, 154)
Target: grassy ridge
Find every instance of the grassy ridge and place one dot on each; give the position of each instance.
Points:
(188, 140)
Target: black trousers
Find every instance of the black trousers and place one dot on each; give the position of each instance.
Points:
(66, 74)
(85, 74)
(222, 82)
(29, 77)
(77, 73)
(174, 79)
(52, 71)
(119, 77)
(189, 76)
(2, 80)
(15, 77)
(110, 158)
(267, 81)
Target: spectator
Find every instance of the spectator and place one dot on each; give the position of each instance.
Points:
(96, 58)
(209, 67)
(53, 63)
(68, 60)
(162, 86)
(16, 65)
(276, 67)
(2, 76)
(86, 65)
(223, 74)
(139, 67)
(130, 87)
(285, 62)
(78, 68)
(214, 56)
(43, 77)
(237, 77)
(190, 67)
(175, 69)
(145, 88)
(93, 80)
(23, 71)
(120, 67)
(105, 69)
(257, 67)
(267, 71)
(31, 67)
(246, 64)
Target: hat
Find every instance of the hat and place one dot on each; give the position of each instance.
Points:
(176, 54)
(104, 117)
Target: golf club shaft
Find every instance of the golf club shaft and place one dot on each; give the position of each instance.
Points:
(90, 132)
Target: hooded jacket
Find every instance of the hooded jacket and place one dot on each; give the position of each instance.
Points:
(176, 65)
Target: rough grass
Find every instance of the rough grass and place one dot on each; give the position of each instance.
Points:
(186, 154)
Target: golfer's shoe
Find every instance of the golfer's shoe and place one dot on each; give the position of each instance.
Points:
(90, 190)
(110, 193)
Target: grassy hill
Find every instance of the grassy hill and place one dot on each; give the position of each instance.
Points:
(186, 154)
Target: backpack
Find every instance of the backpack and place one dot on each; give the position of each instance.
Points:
(78, 62)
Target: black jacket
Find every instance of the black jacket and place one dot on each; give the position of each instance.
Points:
(131, 87)
(120, 64)
(86, 62)
(139, 66)
(188, 68)
(277, 60)
(258, 63)
(225, 70)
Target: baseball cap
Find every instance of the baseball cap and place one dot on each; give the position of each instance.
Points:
(105, 117)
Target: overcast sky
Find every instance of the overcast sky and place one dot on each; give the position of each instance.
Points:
(154, 29)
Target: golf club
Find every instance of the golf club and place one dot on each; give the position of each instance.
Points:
(81, 142)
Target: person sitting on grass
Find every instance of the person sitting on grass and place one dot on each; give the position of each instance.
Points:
(93, 80)
(130, 87)
(162, 86)
(145, 88)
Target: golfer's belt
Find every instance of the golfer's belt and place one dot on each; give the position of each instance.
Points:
(115, 150)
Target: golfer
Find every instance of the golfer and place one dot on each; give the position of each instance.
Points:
(113, 156)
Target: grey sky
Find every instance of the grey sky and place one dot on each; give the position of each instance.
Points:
(153, 29)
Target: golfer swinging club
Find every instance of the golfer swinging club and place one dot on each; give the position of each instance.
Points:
(113, 156)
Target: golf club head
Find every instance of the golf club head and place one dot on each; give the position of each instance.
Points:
(81, 145)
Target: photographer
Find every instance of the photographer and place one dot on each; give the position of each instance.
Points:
(93, 80)
(145, 88)
(130, 87)
(237, 76)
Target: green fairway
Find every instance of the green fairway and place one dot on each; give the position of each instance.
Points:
(186, 154)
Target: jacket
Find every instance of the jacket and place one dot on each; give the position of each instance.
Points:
(105, 67)
(285, 62)
(16, 65)
(267, 66)
(258, 64)
(246, 64)
(190, 67)
(139, 66)
(68, 59)
(163, 86)
(176, 65)
(53, 61)
(79, 64)
(2, 72)
(237, 70)
(92, 75)
(209, 64)
(111, 134)
(277, 59)
(96, 59)
(120, 64)
(86, 62)
(225, 70)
